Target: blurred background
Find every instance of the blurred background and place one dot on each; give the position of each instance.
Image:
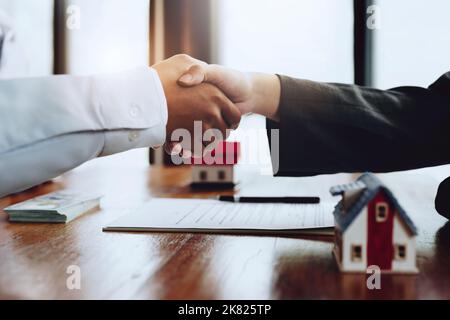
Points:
(380, 43)
(311, 39)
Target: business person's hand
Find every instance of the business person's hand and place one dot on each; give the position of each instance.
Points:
(204, 102)
(251, 92)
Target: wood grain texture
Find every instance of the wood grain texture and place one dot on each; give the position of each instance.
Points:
(34, 258)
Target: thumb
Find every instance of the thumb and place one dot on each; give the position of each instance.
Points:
(194, 76)
(173, 148)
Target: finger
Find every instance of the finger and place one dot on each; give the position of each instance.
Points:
(172, 147)
(217, 75)
(221, 126)
(194, 76)
(230, 113)
(211, 146)
(168, 147)
(186, 154)
(231, 82)
(211, 139)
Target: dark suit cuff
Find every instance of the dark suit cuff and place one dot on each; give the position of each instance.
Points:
(282, 142)
(309, 100)
(301, 149)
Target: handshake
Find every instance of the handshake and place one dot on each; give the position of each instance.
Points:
(205, 102)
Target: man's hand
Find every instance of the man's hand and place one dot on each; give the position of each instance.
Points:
(235, 84)
(204, 103)
(251, 92)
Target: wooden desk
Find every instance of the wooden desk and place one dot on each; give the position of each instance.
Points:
(34, 258)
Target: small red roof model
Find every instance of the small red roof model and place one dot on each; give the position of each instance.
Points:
(216, 168)
(372, 229)
(226, 153)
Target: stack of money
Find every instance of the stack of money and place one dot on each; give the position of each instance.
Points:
(57, 207)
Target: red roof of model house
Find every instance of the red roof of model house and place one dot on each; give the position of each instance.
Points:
(225, 154)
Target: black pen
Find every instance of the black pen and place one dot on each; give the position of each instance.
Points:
(300, 200)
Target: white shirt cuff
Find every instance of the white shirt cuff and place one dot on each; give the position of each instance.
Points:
(146, 101)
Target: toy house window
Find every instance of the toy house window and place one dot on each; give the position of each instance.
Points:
(400, 252)
(381, 211)
(203, 176)
(356, 253)
(221, 175)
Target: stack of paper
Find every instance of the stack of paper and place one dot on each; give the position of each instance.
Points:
(57, 207)
(213, 216)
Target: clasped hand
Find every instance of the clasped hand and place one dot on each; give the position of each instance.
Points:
(205, 102)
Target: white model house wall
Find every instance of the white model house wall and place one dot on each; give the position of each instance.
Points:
(402, 236)
(355, 234)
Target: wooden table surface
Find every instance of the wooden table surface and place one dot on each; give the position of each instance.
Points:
(34, 257)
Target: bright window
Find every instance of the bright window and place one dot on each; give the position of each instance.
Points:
(310, 39)
(113, 36)
(412, 45)
(33, 29)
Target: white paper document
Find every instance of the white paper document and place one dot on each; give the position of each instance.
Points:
(213, 216)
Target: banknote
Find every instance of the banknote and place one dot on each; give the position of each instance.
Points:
(56, 207)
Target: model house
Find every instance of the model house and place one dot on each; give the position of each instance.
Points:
(371, 228)
(216, 169)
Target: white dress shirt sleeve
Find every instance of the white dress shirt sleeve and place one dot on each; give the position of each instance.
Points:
(53, 124)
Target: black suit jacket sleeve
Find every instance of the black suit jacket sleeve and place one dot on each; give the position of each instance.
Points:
(330, 128)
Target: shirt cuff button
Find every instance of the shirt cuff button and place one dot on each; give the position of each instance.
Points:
(133, 136)
(134, 111)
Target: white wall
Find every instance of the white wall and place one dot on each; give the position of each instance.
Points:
(356, 234)
(33, 25)
(413, 42)
(304, 38)
(401, 236)
(113, 36)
